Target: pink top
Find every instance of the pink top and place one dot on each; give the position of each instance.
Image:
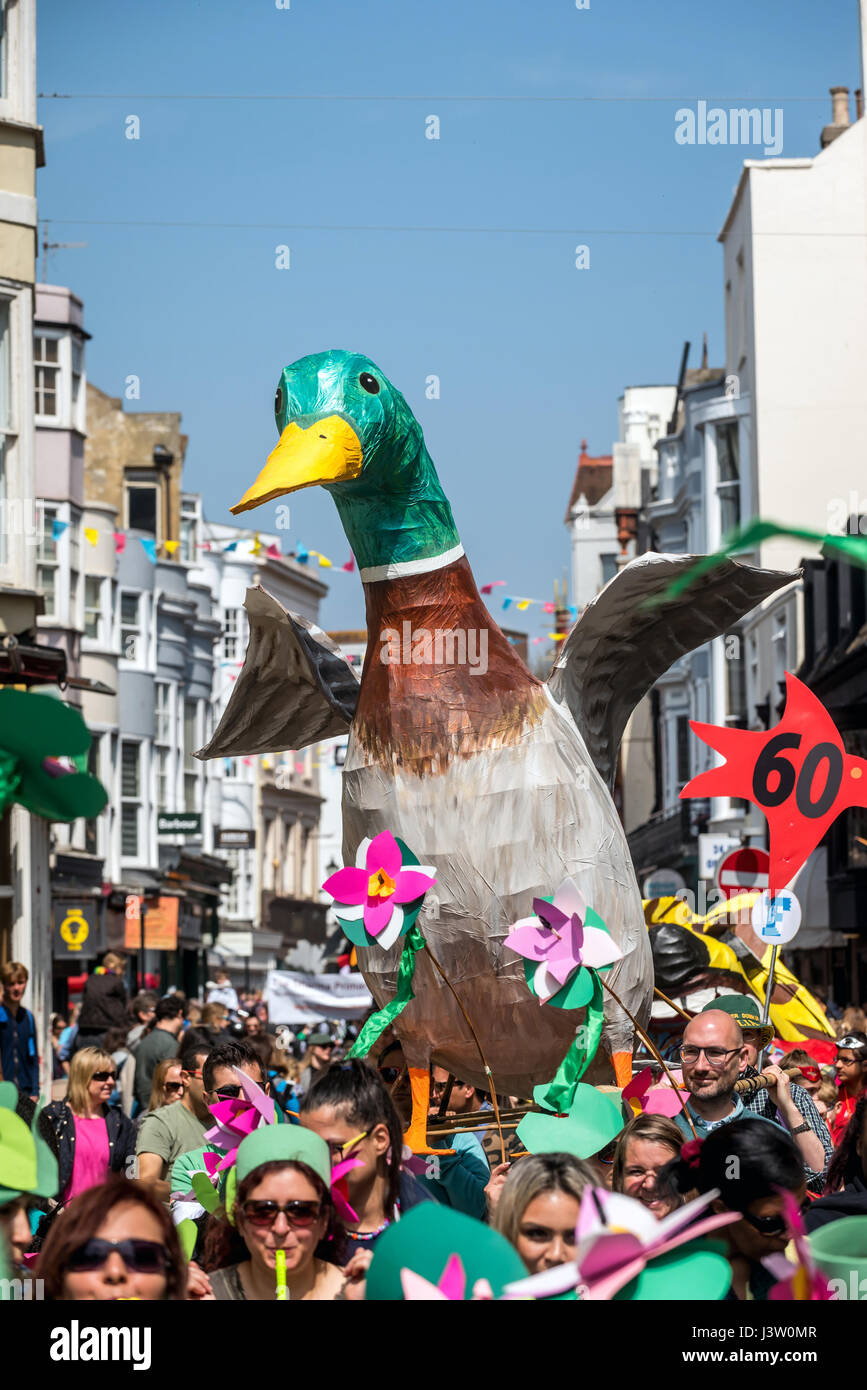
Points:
(90, 1166)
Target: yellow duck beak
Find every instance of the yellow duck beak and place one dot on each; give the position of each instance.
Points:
(328, 451)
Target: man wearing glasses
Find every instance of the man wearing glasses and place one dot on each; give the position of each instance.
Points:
(783, 1099)
(172, 1130)
(712, 1056)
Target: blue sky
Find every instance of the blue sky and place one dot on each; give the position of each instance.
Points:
(531, 353)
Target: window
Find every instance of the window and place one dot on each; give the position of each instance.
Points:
(93, 615)
(5, 368)
(74, 564)
(189, 519)
(141, 507)
(609, 567)
(163, 713)
(231, 894)
(47, 561)
(729, 475)
(46, 365)
(77, 371)
(191, 766)
(231, 633)
(130, 792)
(162, 757)
(130, 626)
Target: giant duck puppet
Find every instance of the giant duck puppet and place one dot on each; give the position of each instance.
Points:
(498, 780)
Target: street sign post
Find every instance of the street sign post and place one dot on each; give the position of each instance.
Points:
(744, 870)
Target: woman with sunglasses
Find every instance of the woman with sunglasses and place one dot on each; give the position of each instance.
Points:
(350, 1108)
(114, 1241)
(752, 1163)
(281, 1214)
(168, 1084)
(91, 1138)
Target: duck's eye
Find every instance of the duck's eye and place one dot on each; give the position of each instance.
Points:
(369, 383)
(278, 402)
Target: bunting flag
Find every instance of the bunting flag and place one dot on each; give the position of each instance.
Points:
(301, 555)
(558, 636)
(58, 528)
(523, 603)
(232, 545)
(150, 548)
(548, 608)
(119, 542)
(171, 546)
(494, 584)
(204, 545)
(350, 565)
(91, 534)
(257, 545)
(274, 551)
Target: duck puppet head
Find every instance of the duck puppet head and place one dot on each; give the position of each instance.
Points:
(499, 781)
(344, 427)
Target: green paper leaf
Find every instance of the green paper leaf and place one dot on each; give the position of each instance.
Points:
(205, 1192)
(188, 1235)
(379, 1021)
(576, 992)
(593, 1121)
(695, 1273)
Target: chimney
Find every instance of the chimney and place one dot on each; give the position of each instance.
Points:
(839, 116)
(859, 103)
(704, 352)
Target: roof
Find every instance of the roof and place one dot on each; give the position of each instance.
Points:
(593, 478)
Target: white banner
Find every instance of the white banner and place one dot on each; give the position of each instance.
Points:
(295, 998)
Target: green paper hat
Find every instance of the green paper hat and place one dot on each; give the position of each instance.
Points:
(425, 1240)
(27, 1165)
(840, 1247)
(699, 1272)
(594, 1120)
(32, 729)
(286, 1144)
(746, 1013)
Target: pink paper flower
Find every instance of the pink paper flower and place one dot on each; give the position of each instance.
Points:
(645, 1099)
(377, 887)
(799, 1280)
(449, 1287)
(615, 1238)
(339, 1192)
(236, 1118)
(559, 940)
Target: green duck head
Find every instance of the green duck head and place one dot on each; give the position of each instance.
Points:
(344, 426)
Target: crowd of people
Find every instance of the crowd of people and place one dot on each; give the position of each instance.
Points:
(116, 1207)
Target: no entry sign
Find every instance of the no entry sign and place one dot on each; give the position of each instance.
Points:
(743, 871)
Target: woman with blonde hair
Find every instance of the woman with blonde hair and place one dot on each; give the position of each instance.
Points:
(90, 1137)
(537, 1209)
(647, 1143)
(167, 1085)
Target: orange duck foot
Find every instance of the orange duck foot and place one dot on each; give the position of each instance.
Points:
(416, 1136)
(622, 1062)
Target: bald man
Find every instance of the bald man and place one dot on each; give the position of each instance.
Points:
(712, 1055)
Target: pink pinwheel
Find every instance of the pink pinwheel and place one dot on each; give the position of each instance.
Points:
(377, 887)
(559, 940)
(799, 1280)
(236, 1118)
(339, 1193)
(645, 1099)
(615, 1238)
(449, 1287)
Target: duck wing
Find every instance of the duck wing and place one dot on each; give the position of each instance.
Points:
(294, 688)
(620, 646)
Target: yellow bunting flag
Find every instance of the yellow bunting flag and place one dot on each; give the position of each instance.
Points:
(524, 603)
(91, 534)
(257, 544)
(558, 636)
(171, 546)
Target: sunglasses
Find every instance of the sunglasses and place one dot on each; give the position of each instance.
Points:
(766, 1225)
(141, 1256)
(104, 1076)
(264, 1214)
(173, 1086)
(390, 1074)
(339, 1151)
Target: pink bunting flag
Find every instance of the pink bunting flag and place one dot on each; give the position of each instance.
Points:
(494, 584)
(350, 565)
(119, 542)
(274, 551)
